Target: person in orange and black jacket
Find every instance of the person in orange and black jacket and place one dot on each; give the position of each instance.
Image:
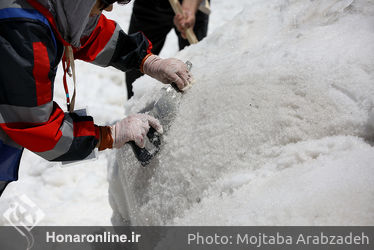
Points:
(35, 36)
(155, 18)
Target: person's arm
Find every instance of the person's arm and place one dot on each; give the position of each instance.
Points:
(191, 5)
(187, 20)
(108, 45)
(28, 114)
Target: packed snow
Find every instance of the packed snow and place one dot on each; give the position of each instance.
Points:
(277, 130)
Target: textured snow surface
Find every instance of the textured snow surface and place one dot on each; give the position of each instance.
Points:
(276, 130)
(78, 194)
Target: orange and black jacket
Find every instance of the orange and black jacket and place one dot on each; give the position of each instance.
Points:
(31, 47)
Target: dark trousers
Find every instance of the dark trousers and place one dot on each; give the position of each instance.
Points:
(155, 19)
(3, 185)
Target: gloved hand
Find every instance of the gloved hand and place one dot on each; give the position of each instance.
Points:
(132, 128)
(168, 71)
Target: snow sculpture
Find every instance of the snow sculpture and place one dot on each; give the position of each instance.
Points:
(276, 130)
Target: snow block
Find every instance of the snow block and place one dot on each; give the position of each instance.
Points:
(276, 130)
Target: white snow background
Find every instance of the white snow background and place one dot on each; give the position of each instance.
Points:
(277, 130)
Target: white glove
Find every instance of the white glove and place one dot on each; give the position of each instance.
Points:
(168, 71)
(134, 128)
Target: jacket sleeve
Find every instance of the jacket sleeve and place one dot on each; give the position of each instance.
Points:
(109, 45)
(27, 113)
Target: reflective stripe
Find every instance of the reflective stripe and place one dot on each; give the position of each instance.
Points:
(104, 57)
(97, 40)
(39, 114)
(10, 158)
(64, 143)
(37, 137)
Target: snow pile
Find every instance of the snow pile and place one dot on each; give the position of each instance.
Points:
(317, 182)
(78, 194)
(276, 131)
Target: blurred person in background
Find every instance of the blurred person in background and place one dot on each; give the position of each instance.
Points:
(35, 36)
(155, 18)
